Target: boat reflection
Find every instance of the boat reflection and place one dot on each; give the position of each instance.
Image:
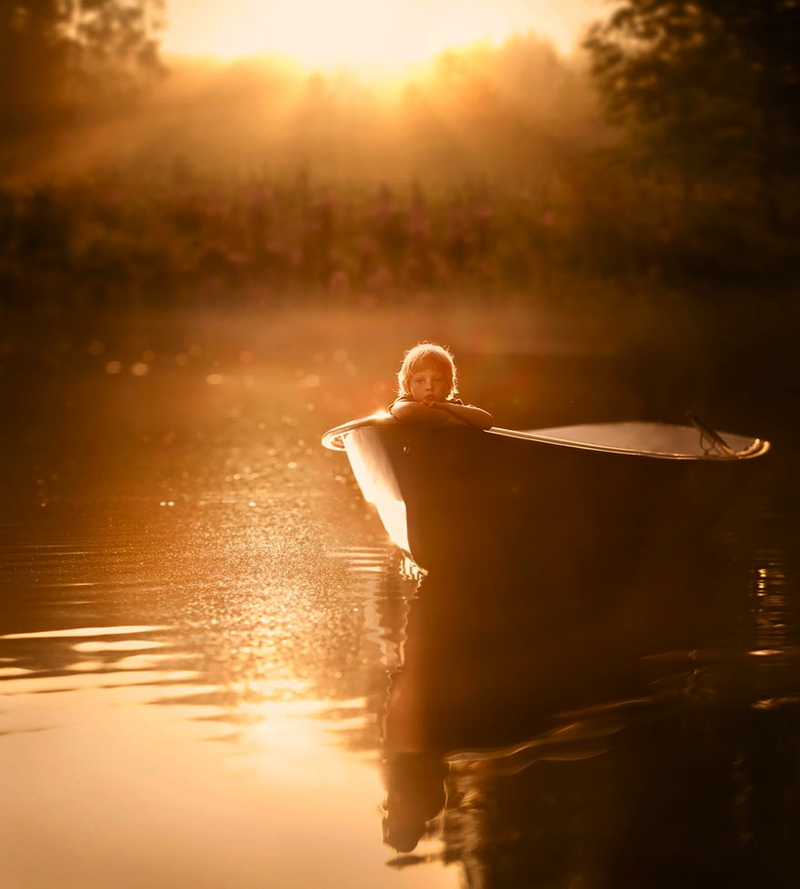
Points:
(612, 751)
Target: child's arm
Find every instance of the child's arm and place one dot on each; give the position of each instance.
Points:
(441, 412)
(416, 412)
(466, 413)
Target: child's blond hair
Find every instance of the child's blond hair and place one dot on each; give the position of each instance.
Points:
(422, 356)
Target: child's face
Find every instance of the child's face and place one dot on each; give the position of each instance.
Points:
(430, 383)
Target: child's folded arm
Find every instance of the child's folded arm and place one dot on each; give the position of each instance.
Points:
(441, 412)
(414, 410)
(468, 413)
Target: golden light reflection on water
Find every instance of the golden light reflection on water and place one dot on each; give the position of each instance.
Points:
(232, 737)
(124, 795)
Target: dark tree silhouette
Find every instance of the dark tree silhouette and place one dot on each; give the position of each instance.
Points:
(63, 61)
(710, 89)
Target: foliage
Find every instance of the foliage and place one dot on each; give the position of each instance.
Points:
(710, 90)
(64, 61)
(126, 237)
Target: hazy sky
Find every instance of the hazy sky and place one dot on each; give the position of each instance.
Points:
(388, 34)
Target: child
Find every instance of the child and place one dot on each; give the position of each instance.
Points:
(426, 387)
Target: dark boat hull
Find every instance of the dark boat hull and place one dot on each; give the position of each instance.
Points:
(450, 496)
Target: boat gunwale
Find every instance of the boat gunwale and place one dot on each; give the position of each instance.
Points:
(333, 440)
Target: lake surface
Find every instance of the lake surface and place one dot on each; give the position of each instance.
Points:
(216, 671)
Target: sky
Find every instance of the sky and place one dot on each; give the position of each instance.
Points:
(385, 35)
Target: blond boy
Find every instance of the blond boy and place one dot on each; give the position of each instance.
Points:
(427, 389)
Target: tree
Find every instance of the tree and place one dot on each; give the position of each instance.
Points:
(65, 60)
(710, 89)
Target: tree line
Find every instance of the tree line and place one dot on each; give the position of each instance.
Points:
(698, 167)
(63, 62)
(708, 93)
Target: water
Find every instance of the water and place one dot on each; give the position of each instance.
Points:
(215, 671)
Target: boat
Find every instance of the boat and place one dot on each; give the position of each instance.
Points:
(582, 495)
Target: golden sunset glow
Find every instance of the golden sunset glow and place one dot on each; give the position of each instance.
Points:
(389, 36)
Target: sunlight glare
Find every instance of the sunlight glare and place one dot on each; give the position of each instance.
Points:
(390, 36)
